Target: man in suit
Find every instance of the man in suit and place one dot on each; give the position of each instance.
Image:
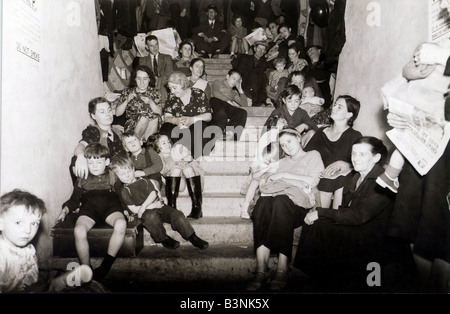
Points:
(211, 37)
(161, 64)
(254, 77)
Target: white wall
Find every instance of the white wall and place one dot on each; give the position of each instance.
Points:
(373, 55)
(44, 103)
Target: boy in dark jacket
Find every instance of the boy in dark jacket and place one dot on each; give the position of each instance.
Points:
(98, 202)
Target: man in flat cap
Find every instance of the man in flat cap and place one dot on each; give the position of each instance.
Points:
(211, 37)
(253, 69)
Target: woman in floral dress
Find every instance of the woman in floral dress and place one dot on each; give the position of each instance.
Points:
(186, 115)
(141, 104)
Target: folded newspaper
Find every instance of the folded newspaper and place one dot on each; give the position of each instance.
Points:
(257, 35)
(166, 39)
(425, 139)
(421, 102)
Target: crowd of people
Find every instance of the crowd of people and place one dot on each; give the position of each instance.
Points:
(208, 28)
(311, 167)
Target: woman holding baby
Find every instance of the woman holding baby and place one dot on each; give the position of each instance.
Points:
(286, 197)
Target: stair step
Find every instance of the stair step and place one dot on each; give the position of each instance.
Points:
(221, 183)
(212, 167)
(215, 230)
(224, 56)
(234, 148)
(219, 58)
(186, 263)
(258, 111)
(219, 66)
(214, 159)
(257, 121)
(216, 72)
(251, 133)
(212, 78)
(155, 264)
(214, 204)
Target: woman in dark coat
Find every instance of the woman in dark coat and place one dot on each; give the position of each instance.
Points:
(336, 245)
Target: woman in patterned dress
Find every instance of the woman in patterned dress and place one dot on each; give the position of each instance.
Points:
(186, 115)
(141, 104)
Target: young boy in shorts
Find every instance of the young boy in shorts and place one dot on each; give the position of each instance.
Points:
(98, 202)
(144, 200)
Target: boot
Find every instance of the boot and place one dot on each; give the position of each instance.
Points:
(172, 189)
(170, 243)
(195, 192)
(197, 242)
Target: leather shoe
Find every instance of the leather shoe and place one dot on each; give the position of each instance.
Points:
(258, 281)
(197, 242)
(170, 243)
(279, 282)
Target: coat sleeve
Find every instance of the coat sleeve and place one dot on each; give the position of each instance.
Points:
(168, 65)
(307, 120)
(75, 199)
(447, 68)
(366, 205)
(157, 164)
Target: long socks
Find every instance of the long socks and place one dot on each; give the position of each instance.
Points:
(103, 270)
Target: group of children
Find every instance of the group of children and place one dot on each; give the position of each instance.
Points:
(118, 187)
(136, 194)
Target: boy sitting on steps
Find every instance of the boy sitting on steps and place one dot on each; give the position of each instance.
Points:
(144, 200)
(98, 202)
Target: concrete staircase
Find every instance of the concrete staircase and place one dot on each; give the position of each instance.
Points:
(217, 68)
(230, 257)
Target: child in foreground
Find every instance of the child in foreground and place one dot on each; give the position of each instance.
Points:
(145, 201)
(20, 217)
(98, 202)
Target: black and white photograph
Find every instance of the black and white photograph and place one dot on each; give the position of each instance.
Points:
(220, 155)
